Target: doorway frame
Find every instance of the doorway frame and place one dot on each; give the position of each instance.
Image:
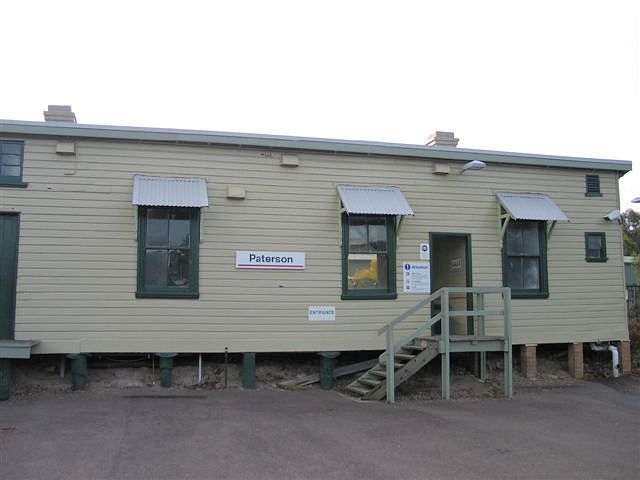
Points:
(13, 293)
(468, 263)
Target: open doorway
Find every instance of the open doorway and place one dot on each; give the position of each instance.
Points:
(451, 267)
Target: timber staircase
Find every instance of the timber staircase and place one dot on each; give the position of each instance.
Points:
(417, 349)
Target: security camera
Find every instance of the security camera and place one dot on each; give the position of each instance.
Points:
(613, 215)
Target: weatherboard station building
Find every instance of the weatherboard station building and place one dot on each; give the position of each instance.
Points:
(125, 239)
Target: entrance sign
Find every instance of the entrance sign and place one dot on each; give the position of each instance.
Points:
(416, 277)
(277, 260)
(322, 313)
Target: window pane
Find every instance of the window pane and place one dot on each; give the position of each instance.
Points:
(358, 238)
(14, 148)
(179, 229)
(378, 236)
(157, 227)
(367, 271)
(530, 239)
(531, 273)
(8, 171)
(594, 242)
(383, 267)
(10, 160)
(514, 272)
(514, 239)
(178, 268)
(155, 268)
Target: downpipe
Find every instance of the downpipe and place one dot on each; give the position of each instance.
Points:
(615, 358)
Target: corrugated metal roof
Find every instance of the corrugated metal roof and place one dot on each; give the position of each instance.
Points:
(170, 191)
(374, 200)
(530, 206)
(290, 143)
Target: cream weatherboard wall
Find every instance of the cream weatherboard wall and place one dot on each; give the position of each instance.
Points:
(78, 252)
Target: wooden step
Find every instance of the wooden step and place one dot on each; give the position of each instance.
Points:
(395, 364)
(358, 390)
(370, 382)
(378, 373)
(414, 347)
(403, 356)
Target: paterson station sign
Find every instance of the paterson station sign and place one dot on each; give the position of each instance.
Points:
(275, 260)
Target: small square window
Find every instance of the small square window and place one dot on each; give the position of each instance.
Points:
(592, 186)
(11, 157)
(595, 245)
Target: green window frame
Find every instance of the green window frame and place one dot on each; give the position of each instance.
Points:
(368, 257)
(168, 252)
(524, 259)
(11, 162)
(595, 247)
(592, 186)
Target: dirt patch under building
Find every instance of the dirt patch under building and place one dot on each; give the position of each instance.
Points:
(42, 375)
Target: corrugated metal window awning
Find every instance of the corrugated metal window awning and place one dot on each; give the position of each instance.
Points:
(530, 206)
(373, 200)
(170, 191)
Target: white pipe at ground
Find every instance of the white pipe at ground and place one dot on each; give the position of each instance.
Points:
(199, 368)
(615, 358)
(615, 364)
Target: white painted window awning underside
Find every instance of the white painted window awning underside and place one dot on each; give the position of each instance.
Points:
(170, 191)
(530, 206)
(373, 200)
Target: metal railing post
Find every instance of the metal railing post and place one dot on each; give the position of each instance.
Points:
(508, 360)
(391, 358)
(446, 387)
(481, 332)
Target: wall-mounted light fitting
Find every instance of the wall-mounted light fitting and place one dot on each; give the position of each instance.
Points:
(473, 165)
(613, 215)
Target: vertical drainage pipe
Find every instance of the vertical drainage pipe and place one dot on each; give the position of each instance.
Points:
(615, 357)
(615, 361)
(226, 366)
(199, 368)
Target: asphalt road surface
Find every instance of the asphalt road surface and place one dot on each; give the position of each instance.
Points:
(586, 431)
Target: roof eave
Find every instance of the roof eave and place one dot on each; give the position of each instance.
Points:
(143, 134)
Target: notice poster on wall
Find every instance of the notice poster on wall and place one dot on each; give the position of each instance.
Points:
(425, 254)
(416, 277)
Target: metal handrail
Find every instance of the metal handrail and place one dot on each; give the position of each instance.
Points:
(410, 311)
(443, 316)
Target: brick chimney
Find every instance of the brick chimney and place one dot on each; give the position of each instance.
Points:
(59, 113)
(442, 139)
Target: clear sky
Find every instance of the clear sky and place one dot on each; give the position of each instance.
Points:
(554, 77)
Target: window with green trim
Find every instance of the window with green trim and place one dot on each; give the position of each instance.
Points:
(11, 159)
(595, 247)
(592, 186)
(524, 259)
(368, 257)
(168, 239)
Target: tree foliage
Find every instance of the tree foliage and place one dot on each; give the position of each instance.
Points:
(631, 236)
(631, 231)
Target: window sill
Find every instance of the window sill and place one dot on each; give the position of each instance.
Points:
(528, 295)
(4, 183)
(368, 296)
(186, 296)
(596, 260)
(593, 194)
